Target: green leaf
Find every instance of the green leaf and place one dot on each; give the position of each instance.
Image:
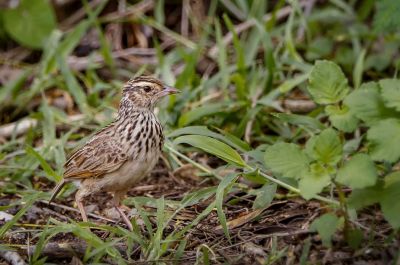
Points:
(212, 146)
(360, 198)
(390, 204)
(301, 120)
(386, 18)
(206, 110)
(314, 181)
(265, 195)
(359, 172)
(384, 140)
(289, 84)
(341, 118)
(286, 159)
(30, 23)
(46, 167)
(203, 130)
(325, 147)
(391, 92)
(326, 226)
(392, 178)
(219, 196)
(367, 104)
(72, 84)
(25, 203)
(327, 83)
(354, 238)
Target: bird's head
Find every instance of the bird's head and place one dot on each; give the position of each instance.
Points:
(144, 92)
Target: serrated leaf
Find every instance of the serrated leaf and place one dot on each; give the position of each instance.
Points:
(314, 181)
(384, 140)
(212, 146)
(391, 92)
(359, 172)
(325, 147)
(30, 23)
(326, 226)
(286, 159)
(327, 83)
(367, 104)
(341, 118)
(265, 195)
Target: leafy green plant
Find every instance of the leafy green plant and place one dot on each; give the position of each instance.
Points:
(327, 159)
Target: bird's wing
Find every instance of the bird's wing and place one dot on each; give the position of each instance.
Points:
(102, 154)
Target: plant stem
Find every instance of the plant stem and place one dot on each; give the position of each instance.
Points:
(270, 178)
(194, 163)
(343, 207)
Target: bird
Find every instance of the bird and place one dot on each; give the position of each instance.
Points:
(116, 157)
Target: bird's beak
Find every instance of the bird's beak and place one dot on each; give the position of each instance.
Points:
(168, 91)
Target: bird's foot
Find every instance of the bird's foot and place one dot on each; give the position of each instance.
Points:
(124, 217)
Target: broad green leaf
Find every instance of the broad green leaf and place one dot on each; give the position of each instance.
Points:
(31, 22)
(384, 140)
(390, 204)
(359, 172)
(391, 92)
(203, 130)
(327, 83)
(367, 104)
(388, 196)
(212, 146)
(326, 226)
(360, 198)
(392, 178)
(301, 120)
(325, 147)
(314, 181)
(265, 195)
(341, 118)
(286, 159)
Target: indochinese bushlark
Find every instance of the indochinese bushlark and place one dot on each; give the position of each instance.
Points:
(124, 152)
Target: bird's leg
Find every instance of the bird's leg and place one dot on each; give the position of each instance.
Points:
(78, 200)
(117, 199)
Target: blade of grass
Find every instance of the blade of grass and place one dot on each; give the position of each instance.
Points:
(46, 167)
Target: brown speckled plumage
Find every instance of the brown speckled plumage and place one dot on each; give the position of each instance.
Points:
(124, 152)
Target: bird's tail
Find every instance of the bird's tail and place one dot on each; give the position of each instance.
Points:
(56, 190)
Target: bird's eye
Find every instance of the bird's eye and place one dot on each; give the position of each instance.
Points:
(147, 89)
